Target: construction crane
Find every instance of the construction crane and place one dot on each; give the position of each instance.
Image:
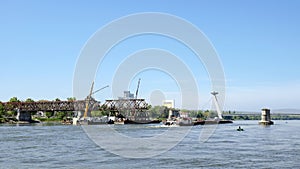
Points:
(137, 89)
(89, 98)
(100, 89)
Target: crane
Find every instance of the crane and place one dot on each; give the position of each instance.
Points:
(89, 98)
(137, 89)
(100, 89)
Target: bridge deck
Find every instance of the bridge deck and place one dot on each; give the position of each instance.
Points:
(79, 105)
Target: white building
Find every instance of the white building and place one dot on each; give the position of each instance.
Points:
(169, 103)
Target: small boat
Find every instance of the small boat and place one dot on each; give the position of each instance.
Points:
(186, 121)
(240, 129)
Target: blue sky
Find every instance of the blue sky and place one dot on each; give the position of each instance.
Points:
(258, 43)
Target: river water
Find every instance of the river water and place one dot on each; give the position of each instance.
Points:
(67, 146)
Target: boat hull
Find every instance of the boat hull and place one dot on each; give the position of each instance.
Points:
(142, 122)
(217, 121)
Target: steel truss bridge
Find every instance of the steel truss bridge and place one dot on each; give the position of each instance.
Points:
(46, 106)
(133, 109)
(113, 106)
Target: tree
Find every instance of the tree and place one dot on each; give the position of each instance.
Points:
(14, 99)
(29, 100)
(200, 114)
(57, 100)
(71, 98)
(49, 114)
(158, 111)
(60, 115)
(206, 114)
(96, 113)
(2, 110)
(11, 113)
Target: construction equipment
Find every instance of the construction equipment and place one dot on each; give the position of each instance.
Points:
(100, 89)
(137, 89)
(89, 98)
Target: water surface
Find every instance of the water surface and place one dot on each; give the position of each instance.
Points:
(60, 146)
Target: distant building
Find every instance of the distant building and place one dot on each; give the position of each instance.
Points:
(127, 95)
(169, 103)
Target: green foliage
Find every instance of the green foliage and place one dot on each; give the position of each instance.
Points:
(29, 100)
(206, 114)
(71, 98)
(56, 116)
(48, 119)
(57, 100)
(192, 113)
(158, 112)
(2, 120)
(61, 115)
(11, 113)
(49, 114)
(2, 110)
(14, 99)
(96, 113)
(200, 115)
(195, 113)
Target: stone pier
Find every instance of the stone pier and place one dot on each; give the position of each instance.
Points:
(265, 117)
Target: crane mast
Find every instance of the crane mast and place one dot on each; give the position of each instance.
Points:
(89, 98)
(137, 89)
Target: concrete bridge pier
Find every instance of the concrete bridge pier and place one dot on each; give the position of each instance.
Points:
(265, 117)
(23, 116)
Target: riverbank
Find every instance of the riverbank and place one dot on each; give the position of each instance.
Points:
(12, 120)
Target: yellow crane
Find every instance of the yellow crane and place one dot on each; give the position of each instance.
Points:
(89, 98)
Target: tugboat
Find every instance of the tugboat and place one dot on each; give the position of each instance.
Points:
(186, 121)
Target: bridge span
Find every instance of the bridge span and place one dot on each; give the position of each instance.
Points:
(136, 105)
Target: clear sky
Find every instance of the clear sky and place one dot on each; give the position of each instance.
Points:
(258, 43)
